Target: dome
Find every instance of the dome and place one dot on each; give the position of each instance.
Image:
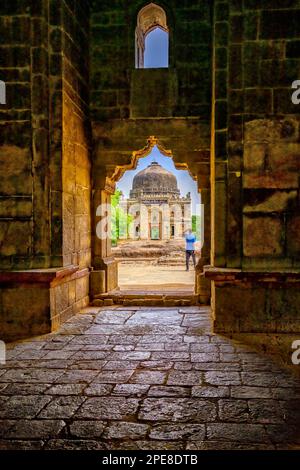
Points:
(154, 179)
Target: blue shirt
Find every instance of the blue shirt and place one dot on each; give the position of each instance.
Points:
(190, 241)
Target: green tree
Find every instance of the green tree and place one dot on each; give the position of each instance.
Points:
(196, 226)
(120, 220)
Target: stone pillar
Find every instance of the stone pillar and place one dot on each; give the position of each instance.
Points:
(104, 274)
(203, 285)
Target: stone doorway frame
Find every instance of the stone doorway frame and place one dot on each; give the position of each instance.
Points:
(104, 273)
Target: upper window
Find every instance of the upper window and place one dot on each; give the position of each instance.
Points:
(152, 38)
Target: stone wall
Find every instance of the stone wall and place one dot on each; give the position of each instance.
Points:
(45, 160)
(256, 133)
(255, 159)
(24, 218)
(166, 92)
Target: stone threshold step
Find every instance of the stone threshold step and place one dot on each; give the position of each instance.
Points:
(146, 298)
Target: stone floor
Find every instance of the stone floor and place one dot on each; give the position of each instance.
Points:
(139, 378)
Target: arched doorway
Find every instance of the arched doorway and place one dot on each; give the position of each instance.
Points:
(107, 276)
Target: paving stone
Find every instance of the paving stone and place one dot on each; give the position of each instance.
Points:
(90, 355)
(35, 429)
(110, 408)
(113, 317)
(172, 356)
(281, 433)
(283, 393)
(162, 339)
(123, 339)
(133, 390)
(174, 432)
(74, 444)
(147, 445)
(250, 392)
(222, 378)
(234, 410)
(95, 364)
(24, 389)
(196, 339)
(66, 389)
(98, 347)
(107, 385)
(41, 364)
(217, 366)
(87, 429)
(169, 391)
(259, 379)
(59, 354)
(180, 409)
(90, 339)
(158, 365)
(118, 376)
(153, 317)
(123, 430)
(223, 445)
(184, 378)
(129, 356)
(61, 407)
(266, 411)
(32, 354)
(31, 375)
(5, 426)
(205, 357)
(150, 347)
(183, 366)
(207, 391)
(123, 347)
(77, 376)
(99, 390)
(120, 365)
(204, 348)
(177, 347)
(237, 432)
(20, 406)
(148, 377)
(21, 445)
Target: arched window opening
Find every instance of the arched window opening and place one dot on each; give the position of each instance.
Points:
(152, 38)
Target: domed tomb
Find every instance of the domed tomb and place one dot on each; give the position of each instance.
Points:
(154, 179)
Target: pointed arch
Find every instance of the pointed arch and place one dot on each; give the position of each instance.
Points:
(150, 17)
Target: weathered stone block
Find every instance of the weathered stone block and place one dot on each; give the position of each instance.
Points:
(254, 156)
(284, 156)
(97, 282)
(15, 237)
(24, 311)
(263, 236)
(268, 200)
(15, 170)
(293, 235)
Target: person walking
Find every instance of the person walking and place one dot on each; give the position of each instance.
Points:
(190, 240)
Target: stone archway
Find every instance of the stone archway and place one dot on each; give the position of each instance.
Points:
(104, 276)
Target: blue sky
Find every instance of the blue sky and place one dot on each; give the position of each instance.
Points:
(156, 49)
(185, 181)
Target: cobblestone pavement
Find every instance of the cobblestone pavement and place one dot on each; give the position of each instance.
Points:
(144, 378)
